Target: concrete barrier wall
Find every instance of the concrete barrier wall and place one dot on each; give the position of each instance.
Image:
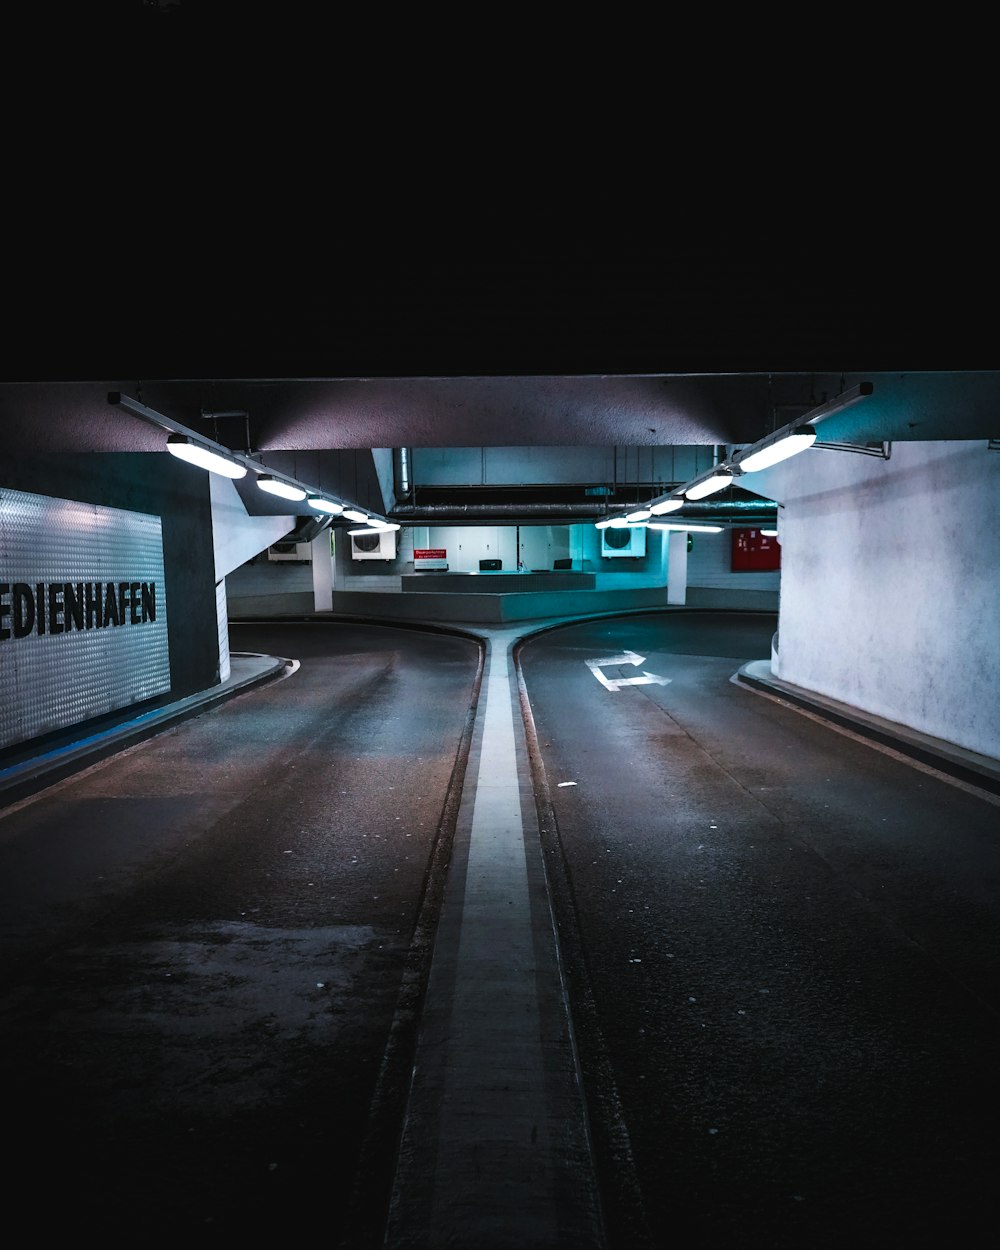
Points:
(492, 609)
(891, 584)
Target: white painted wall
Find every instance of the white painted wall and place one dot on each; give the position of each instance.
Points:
(677, 560)
(466, 545)
(321, 561)
(542, 545)
(710, 563)
(236, 536)
(890, 584)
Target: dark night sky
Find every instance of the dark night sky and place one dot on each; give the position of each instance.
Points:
(183, 205)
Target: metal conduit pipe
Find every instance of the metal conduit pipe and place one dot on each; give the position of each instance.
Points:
(497, 510)
(744, 509)
(401, 472)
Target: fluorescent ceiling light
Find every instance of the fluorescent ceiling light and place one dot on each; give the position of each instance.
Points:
(666, 505)
(618, 522)
(366, 529)
(355, 514)
(770, 533)
(641, 514)
(322, 504)
(383, 527)
(683, 525)
(709, 485)
(184, 448)
(773, 453)
(275, 486)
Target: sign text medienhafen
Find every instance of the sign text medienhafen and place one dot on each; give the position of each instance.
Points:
(58, 607)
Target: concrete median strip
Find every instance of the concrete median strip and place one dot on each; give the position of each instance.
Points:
(495, 1150)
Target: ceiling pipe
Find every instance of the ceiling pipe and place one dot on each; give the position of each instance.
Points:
(416, 514)
(401, 472)
(496, 510)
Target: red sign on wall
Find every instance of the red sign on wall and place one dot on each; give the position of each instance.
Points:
(754, 552)
(430, 553)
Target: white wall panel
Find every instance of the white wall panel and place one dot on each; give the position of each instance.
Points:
(890, 584)
(83, 612)
(237, 536)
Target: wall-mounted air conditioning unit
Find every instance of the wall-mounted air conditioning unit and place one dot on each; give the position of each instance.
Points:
(374, 546)
(301, 553)
(623, 541)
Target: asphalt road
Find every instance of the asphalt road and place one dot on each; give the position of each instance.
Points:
(782, 948)
(780, 944)
(214, 945)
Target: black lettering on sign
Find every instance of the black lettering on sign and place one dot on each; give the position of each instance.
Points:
(111, 614)
(92, 605)
(60, 607)
(73, 605)
(149, 601)
(55, 607)
(24, 610)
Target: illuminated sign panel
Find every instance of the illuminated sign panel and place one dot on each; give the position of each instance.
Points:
(430, 558)
(754, 552)
(83, 613)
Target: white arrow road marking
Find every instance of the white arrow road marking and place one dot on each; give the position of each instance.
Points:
(616, 683)
(647, 679)
(627, 657)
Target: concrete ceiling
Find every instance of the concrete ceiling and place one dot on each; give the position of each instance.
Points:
(545, 411)
(562, 351)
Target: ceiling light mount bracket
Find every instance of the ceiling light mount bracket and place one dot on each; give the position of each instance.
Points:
(197, 449)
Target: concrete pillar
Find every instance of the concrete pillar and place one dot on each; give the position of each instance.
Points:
(677, 567)
(322, 571)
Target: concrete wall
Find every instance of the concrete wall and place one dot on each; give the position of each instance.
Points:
(890, 588)
(603, 465)
(259, 586)
(382, 462)
(709, 565)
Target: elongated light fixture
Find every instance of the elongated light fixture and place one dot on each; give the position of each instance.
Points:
(355, 514)
(640, 514)
(684, 525)
(320, 503)
(275, 486)
(710, 485)
(799, 439)
(665, 505)
(188, 449)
